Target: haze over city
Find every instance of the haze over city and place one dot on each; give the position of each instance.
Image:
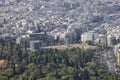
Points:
(59, 39)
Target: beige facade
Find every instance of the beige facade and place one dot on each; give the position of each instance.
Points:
(117, 54)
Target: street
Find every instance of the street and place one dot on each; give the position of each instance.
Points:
(107, 59)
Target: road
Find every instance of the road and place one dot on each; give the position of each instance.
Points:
(107, 59)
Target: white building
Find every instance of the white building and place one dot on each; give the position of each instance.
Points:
(22, 40)
(63, 36)
(103, 40)
(35, 45)
(117, 53)
(110, 39)
(88, 36)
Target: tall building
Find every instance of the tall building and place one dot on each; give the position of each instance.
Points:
(62, 36)
(67, 42)
(23, 40)
(110, 40)
(35, 45)
(103, 40)
(117, 53)
(118, 58)
(88, 36)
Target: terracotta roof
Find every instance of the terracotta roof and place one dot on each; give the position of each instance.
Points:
(3, 63)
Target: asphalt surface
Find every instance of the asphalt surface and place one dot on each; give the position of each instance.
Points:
(107, 59)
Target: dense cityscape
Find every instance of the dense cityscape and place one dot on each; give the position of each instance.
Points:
(59, 39)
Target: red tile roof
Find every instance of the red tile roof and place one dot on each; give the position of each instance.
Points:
(3, 63)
